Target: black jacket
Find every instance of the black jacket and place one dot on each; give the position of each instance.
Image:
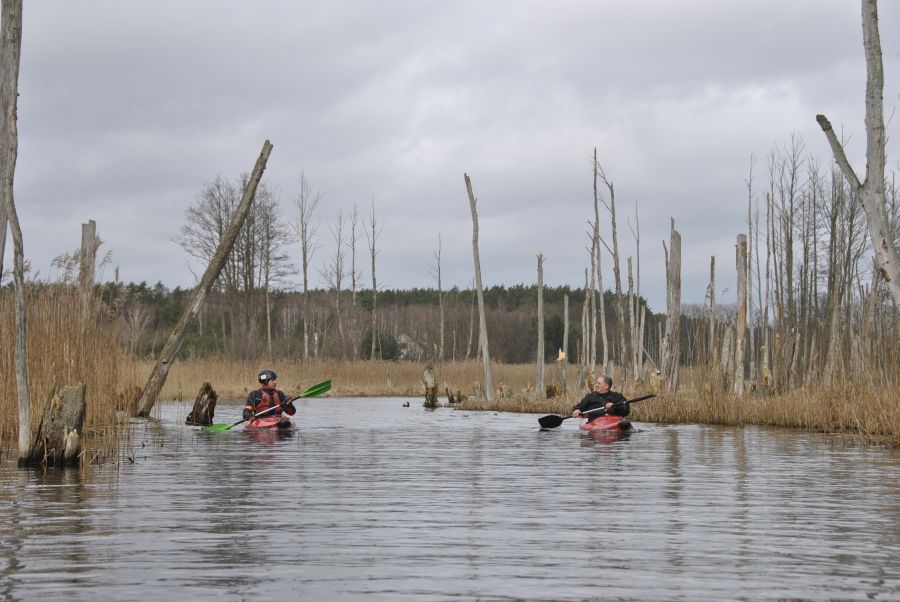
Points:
(595, 400)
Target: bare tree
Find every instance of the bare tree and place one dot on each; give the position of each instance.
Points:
(482, 320)
(334, 274)
(372, 234)
(871, 191)
(539, 386)
(275, 266)
(741, 330)
(306, 202)
(671, 342)
(10, 59)
(436, 271)
(355, 274)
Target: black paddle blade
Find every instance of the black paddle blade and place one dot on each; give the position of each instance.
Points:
(551, 421)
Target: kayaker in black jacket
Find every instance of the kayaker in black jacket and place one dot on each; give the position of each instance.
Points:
(602, 397)
(267, 396)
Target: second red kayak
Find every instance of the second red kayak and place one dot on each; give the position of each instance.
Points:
(280, 423)
(606, 423)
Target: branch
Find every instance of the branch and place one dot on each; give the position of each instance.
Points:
(838, 151)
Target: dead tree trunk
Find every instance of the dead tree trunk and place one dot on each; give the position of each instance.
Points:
(871, 190)
(430, 388)
(482, 321)
(372, 239)
(167, 355)
(58, 442)
(10, 58)
(738, 381)
(204, 407)
(539, 383)
(86, 261)
(671, 361)
(564, 352)
(712, 309)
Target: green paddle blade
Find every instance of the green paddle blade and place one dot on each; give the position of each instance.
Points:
(322, 387)
(218, 427)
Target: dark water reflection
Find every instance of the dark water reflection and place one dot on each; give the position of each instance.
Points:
(370, 499)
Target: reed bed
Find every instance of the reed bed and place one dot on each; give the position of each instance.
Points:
(234, 379)
(63, 351)
(67, 344)
(862, 411)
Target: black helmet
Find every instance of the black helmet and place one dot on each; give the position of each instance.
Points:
(266, 375)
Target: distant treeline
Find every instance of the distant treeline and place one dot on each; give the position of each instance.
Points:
(408, 328)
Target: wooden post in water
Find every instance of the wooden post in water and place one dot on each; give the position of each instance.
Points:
(167, 356)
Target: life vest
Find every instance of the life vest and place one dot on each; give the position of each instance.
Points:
(263, 400)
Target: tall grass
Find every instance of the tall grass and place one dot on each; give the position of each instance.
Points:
(64, 349)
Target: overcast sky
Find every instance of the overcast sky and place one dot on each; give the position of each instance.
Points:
(127, 109)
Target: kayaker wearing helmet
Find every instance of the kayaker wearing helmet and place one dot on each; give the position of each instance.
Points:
(267, 396)
(601, 397)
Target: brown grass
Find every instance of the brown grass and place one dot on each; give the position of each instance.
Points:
(234, 379)
(63, 351)
(861, 411)
(60, 352)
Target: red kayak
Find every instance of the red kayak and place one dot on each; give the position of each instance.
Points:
(279, 423)
(606, 423)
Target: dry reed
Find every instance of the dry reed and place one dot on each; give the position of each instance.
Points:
(64, 349)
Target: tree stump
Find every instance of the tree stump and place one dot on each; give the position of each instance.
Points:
(430, 387)
(58, 441)
(204, 407)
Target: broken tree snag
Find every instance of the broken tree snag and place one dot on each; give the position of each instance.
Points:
(430, 387)
(170, 350)
(58, 440)
(204, 407)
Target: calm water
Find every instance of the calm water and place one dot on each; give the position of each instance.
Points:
(369, 499)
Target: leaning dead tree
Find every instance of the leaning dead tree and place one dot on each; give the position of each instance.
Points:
(871, 190)
(482, 321)
(10, 58)
(161, 370)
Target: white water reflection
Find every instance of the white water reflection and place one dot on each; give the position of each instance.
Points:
(369, 499)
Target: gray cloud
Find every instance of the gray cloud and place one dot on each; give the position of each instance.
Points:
(127, 109)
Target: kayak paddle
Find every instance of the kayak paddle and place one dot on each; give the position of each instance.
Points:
(314, 390)
(552, 421)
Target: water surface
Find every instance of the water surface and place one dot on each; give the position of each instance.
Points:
(369, 499)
